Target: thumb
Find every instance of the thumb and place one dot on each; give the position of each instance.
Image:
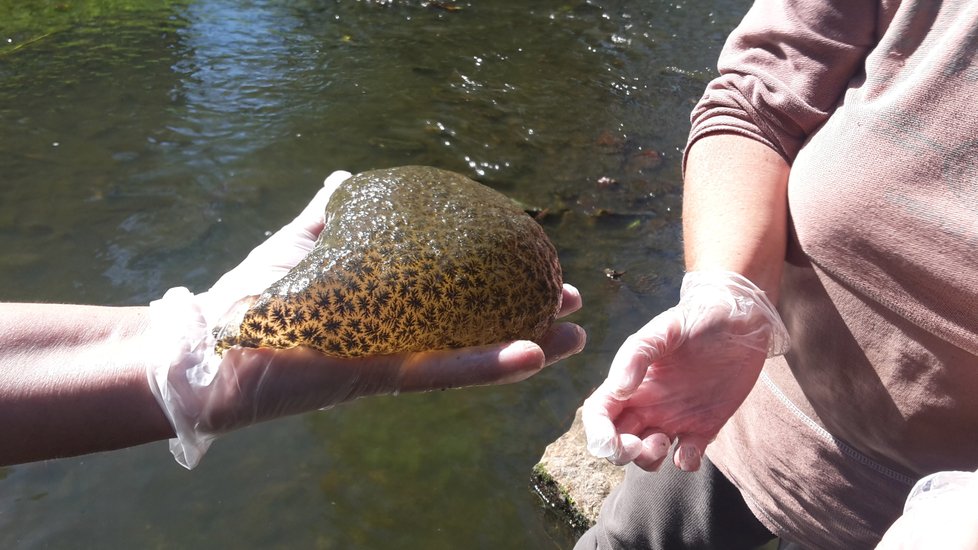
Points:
(310, 219)
(658, 338)
(271, 259)
(600, 431)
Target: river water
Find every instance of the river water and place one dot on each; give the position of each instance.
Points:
(150, 146)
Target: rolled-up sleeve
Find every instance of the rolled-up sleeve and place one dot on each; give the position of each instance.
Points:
(784, 69)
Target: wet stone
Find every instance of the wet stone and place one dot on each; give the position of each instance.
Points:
(573, 482)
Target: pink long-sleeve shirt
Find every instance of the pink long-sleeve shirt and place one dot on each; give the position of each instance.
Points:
(875, 105)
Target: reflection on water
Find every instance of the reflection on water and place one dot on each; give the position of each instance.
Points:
(148, 147)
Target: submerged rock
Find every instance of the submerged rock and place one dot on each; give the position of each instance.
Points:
(411, 259)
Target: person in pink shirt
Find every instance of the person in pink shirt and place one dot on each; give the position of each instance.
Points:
(821, 365)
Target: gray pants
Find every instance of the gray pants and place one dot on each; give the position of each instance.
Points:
(671, 509)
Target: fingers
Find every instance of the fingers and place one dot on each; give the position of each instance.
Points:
(607, 438)
(334, 180)
(616, 440)
(629, 447)
(310, 220)
(561, 341)
(570, 301)
(564, 339)
(648, 453)
(478, 366)
(599, 429)
(268, 383)
(658, 338)
(604, 440)
(655, 449)
(689, 452)
(628, 368)
(285, 248)
(494, 364)
(261, 384)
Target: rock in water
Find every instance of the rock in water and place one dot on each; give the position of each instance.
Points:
(411, 259)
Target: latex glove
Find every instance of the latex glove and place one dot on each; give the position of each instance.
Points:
(204, 395)
(682, 376)
(941, 512)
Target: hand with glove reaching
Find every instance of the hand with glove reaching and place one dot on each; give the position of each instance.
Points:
(682, 376)
(73, 379)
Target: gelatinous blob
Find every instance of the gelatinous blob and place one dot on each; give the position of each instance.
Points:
(411, 259)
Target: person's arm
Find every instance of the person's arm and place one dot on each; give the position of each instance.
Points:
(79, 379)
(735, 209)
(73, 380)
(682, 375)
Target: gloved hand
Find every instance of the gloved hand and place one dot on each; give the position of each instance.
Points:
(940, 513)
(682, 376)
(204, 395)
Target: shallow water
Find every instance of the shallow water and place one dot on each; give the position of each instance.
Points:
(148, 147)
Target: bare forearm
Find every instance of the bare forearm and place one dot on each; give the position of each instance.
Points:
(735, 209)
(73, 380)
